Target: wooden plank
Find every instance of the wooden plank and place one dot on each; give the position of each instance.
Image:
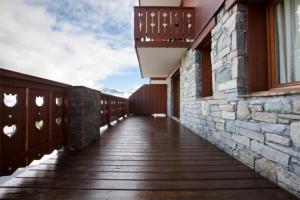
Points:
(139, 163)
(156, 168)
(245, 194)
(141, 185)
(141, 175)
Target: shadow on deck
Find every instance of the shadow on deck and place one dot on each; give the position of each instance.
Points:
(143, 158)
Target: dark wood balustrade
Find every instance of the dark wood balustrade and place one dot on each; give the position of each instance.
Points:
(35, 117)
(112, 108)
(164, 26)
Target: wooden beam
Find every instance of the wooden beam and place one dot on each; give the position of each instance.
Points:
(211, 24)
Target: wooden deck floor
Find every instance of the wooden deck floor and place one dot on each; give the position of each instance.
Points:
(144, 158)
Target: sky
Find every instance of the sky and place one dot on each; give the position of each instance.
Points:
(78, 42)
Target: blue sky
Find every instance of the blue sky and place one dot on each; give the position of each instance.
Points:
(82, 42)
(126, 82)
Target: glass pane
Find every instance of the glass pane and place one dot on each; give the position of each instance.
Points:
(287, 26)
(297, 42)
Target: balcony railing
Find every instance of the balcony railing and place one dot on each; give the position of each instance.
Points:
(164, 26)
(36, 117)
(112, 108)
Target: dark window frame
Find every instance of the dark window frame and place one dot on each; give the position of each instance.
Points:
(206, 67)
(262, 68)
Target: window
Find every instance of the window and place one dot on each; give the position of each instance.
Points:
(273, 40)
(176, 94)
(287, 41)
(206, 68)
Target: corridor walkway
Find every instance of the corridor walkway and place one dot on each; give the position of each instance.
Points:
(143, 158)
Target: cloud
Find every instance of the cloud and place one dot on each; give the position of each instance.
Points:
(78, 43)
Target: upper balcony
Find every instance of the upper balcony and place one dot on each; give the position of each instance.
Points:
(162, 35)
(164, 26)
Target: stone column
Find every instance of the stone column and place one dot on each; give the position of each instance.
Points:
(84, 117)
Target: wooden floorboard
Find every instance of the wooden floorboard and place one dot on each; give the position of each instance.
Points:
(143, 158)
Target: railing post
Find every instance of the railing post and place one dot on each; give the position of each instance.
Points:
(108, 111)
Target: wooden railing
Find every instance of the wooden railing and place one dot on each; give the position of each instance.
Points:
(164, 26)
(112, 108)
(34, 118)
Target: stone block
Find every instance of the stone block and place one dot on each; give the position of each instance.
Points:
(278, 139)
(243, 112)
(228, 115)
(238, 39)
(229, 143)
(264, 117)
(220, 126)
(289, 116)
(204, 108)
(283, 121)
(278, 106)
(227, 107)
(270, 153)
(223, 75)
(230, 126)
(232, 84)
(295, 133)
(266, 168)
(252, 134)
(288, 179)
(296, 168)
(288, 150)
(225, 135)
(241, 140)
(238, 65)
(256, 108)
(296, 106)
(246, 157)
(274, 128)
(248, 125)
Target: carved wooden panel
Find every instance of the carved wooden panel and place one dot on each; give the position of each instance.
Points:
(13, 127)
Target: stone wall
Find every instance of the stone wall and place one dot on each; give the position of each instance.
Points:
(261, 131)
(84, 117)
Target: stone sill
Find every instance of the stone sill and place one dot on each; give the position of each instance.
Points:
(270, 93)
(207, 98)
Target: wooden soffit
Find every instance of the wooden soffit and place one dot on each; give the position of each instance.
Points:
(204, 33)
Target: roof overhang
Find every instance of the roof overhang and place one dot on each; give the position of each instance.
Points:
(159, 62)
(172, 3)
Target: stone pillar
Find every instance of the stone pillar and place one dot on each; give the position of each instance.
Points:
(84, 117)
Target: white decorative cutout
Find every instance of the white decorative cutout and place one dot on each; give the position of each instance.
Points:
(58, 101)
(58, 120)
(10, 100)
(39, 101)
(39, 124)
(10, 130)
